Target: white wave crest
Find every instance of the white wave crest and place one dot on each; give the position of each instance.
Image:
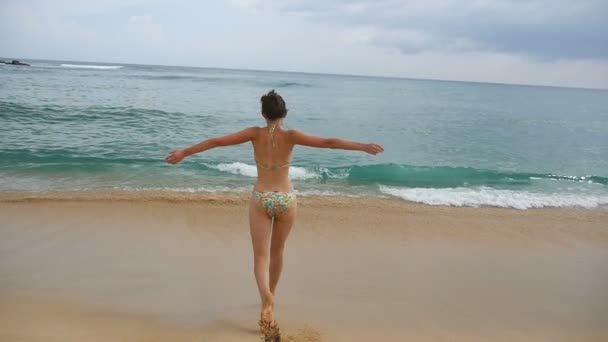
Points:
(200, 189)
(86, 66)
(328, 193)
(237, 168)
(296, 172)
(242, 169)
(483, 196)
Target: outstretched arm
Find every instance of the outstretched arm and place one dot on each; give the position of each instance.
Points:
(301, 138)
(226, 140)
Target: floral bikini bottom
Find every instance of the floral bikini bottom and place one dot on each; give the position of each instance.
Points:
(275, 203)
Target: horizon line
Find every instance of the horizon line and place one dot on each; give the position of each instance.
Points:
(328, 74)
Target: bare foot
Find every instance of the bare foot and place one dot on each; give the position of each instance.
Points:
(267, 309)
(268, 325)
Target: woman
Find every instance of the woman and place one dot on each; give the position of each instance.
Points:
(272, 209)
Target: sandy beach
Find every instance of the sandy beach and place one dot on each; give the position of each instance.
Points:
(178, 267)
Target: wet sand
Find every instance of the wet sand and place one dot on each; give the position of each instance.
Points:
(178, 267)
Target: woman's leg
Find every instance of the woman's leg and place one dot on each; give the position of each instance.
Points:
(280, 231)
(260, 229)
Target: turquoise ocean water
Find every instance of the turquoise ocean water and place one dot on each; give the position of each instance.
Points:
(72, 126)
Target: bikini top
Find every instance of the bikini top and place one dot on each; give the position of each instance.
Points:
(274, 144)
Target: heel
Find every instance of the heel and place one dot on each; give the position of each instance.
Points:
(270, 330)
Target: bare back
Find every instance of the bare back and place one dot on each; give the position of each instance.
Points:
(273, 153)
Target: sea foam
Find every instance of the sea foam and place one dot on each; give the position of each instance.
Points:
(242, 169)
(86, 66)
(485, 196)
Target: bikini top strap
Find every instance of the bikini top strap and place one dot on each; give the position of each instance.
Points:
(271, 167)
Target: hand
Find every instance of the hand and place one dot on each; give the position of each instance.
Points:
(373, 148)
(175, 157)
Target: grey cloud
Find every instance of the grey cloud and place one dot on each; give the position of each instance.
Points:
(540, 29)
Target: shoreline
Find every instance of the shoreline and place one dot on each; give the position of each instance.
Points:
(229, 197)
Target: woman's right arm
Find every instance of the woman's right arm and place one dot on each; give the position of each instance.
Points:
(301, 138)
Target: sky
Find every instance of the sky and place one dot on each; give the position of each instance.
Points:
(541, 42)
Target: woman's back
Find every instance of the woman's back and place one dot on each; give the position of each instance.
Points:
(273, 149)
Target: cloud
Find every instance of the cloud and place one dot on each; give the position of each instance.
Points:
(540, 29)
(143, 28)
(68, 8)
(408, 41)
(248, 4)
(25, 31)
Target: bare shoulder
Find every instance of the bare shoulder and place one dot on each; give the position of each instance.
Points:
(293, 134)
(252, 131)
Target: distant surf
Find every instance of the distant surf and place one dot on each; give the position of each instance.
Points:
(87, 66)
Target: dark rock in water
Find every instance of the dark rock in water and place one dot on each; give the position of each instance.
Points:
(16, 62)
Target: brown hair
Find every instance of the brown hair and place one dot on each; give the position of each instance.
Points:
(273, 106)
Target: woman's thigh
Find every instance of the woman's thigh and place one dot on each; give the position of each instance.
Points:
(259, 228)
(282, 227)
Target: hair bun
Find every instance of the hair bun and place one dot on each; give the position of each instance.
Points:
(272, 95)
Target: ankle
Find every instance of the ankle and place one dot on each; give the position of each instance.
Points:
(268, 300)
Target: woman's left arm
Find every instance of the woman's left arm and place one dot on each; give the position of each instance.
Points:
(226, 140)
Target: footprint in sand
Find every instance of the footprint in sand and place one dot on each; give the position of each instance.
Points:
(305, 334)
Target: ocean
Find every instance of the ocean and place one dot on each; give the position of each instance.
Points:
(81, 126)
